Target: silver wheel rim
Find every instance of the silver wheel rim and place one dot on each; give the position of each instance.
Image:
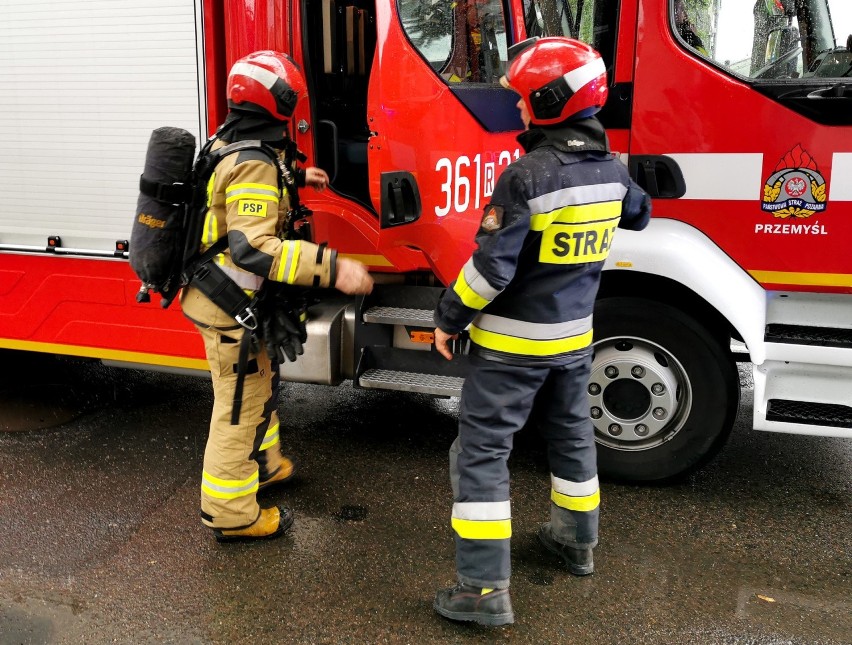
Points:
(639, 394)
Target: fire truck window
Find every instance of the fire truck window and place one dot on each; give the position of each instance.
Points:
(592, 21)
(768, 39)
(464, 41)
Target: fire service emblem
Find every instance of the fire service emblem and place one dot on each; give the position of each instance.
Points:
(796, 188)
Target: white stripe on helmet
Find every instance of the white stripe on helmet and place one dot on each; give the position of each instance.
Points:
(577, 78)
(261, 75)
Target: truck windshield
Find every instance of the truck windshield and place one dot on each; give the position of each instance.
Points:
(769, 39)
(463, 41)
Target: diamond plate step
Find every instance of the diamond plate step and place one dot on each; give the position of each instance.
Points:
(803, 335)
(412, 382)
(399, 316)
(818, 414)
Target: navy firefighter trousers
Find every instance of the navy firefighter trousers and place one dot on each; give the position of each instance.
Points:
(497, 401)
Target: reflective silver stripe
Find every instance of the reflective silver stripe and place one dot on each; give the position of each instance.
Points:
(482, 511)
(270, 438)
(262, 76)
(230, 489)
(244, 279)
(533, 331)
(252, 191)
(577, 78)
(285, 265)
(577, 195)
(574, 489)
(476, 281)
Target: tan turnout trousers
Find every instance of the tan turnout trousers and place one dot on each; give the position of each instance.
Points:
(237, 457)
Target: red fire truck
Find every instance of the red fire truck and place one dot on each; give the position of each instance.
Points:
(735, 115)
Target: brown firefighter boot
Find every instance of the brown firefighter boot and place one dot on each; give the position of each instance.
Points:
(491, 607)
(578, 559)
(271, 523)
(285, 473)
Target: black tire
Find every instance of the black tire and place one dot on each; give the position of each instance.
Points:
(674, 399)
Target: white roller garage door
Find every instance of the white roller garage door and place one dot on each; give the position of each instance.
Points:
(84, 82)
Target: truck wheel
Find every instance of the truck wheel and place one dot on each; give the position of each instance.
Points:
(663, 391)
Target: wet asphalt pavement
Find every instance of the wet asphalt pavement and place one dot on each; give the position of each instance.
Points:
(100, 539)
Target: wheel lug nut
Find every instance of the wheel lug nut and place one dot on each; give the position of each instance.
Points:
(641, 430)
(611, 371)
(596, 413)
(638, 371)
(594, 388)
(658, 388)
(659, 413)
(614, 429)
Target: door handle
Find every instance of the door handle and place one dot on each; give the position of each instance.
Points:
(660, 176)
(400, 201)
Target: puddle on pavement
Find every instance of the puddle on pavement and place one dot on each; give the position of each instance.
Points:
(39, 391)
(36, 407)
(28, 620)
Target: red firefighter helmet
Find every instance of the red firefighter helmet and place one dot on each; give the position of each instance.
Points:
(266, 82)
(557, 78)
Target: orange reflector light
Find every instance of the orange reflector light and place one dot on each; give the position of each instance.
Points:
(422, 337)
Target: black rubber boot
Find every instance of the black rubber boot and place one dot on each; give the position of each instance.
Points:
(579, 560)
(464, 602)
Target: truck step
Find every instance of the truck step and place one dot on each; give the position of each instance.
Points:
(412, 382)
(802, 398)
(390, 368)
(399, 316)
(818, 414)
(807, 335)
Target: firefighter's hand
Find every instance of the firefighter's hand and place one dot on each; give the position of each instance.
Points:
(316, 178)
(352, 277)
(442, 340)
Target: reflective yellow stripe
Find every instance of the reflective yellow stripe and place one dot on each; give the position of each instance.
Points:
(483, 530)
(585, 503)
(251, 191)
(576, 215)
(468, 296)
(289, 262)
(259, 188)
(234, 198)
(228, 488)
(819, 279)
(526, 346)
(118, 356)
(577, 243)
(211, 229)
(210, 183)
(369, 260)
(271, 437)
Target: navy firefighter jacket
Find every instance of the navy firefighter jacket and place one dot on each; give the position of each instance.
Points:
(528, 290)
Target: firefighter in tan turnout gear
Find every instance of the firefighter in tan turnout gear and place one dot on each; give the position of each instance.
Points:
(527, 294)
(247, 204)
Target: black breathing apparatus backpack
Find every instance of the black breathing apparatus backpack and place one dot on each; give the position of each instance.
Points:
(166, 236)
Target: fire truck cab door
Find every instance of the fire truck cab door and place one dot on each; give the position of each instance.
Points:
(752, 101)
(441, 126)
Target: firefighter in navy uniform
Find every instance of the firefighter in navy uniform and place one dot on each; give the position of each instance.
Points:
(528, 292)
(247, 204)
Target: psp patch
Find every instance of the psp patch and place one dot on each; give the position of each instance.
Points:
(252, 208)
(492, 218)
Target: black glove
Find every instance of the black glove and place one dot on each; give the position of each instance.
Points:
(283, 326)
